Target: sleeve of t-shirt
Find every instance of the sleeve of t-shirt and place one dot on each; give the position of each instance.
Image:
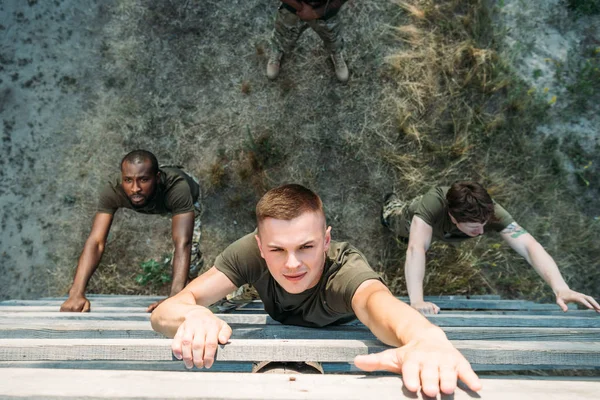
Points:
(502, 218)
(179, 198)
(108, 201)
(241, 261)
(342, 286)
(430, 207)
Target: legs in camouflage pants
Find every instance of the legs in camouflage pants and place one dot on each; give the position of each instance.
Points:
(289, 27)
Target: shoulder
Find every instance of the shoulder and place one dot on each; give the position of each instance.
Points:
(180, 191)
(432, 205)
(111, 196)
(502, 218)
(241, 261)
(348, 270)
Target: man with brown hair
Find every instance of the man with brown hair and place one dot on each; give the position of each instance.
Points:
(453, 214)
(304, 278)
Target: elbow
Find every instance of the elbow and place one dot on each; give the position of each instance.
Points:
(183, 244)
(157, 320)
(96, 245)
(414, 249)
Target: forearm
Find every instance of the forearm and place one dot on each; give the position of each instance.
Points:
(86, 266)
(546, 267)
(396, 323)
(181, 267)
(167, 317)
(414, 270)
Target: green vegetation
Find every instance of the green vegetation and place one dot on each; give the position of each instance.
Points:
(429, 101)
(154, 273)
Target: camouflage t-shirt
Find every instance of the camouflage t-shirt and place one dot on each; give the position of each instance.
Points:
(433, 209)
(329, 302)
(176, 193)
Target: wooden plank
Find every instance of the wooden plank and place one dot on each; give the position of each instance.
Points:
(510, 305)
(105, 302)
(478, 352)
(232, 366)
(25, 329)
(9, 309)
(448, 304)
(53, 384)
(450, 319)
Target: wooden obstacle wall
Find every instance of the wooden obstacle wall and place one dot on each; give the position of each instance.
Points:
(112, 352)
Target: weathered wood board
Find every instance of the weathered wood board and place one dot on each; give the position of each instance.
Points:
(478, 352)
(76, 384)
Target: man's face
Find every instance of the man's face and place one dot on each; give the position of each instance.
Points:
(472, 229)
(295, 250)
(138, 182)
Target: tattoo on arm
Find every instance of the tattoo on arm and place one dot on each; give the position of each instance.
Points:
(514, 229)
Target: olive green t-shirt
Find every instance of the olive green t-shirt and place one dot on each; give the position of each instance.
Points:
(329, 302)
(176, 193)
(433, 209)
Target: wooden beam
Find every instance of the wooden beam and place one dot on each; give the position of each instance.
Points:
(443, 319)
(31, 329)
(444, 303)
(508, 305)
(478, 352)
(56, 308)
(246, 366)
(75, 384)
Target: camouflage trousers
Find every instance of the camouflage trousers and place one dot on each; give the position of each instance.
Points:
(196, 259)
(288, 28)
(395, 216)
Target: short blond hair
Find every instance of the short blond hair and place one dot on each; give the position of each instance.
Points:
(288, 202)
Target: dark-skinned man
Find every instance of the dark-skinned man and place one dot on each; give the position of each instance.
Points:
(145, 188)
(293, 18)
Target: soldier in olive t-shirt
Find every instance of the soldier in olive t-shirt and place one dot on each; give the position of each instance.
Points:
(453, 214)
(329, 302)
(175, 193)
(433, 209)
(145, 188)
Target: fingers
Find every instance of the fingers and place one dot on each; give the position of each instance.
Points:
(386, 360)
(430, 378)
(151, 307)
(594, 303)
(192, 345)
(176, 344)
(410, 375)
(224, 333)
(561, 303)
(447, 378)
(197, 344)
(428, 308)
(468, 376)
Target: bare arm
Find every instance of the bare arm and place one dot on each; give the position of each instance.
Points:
(203, 291)
(535, 254)
(88, 262)
(182, 231)
(195, 330)
(414, 267)
(426, 359)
